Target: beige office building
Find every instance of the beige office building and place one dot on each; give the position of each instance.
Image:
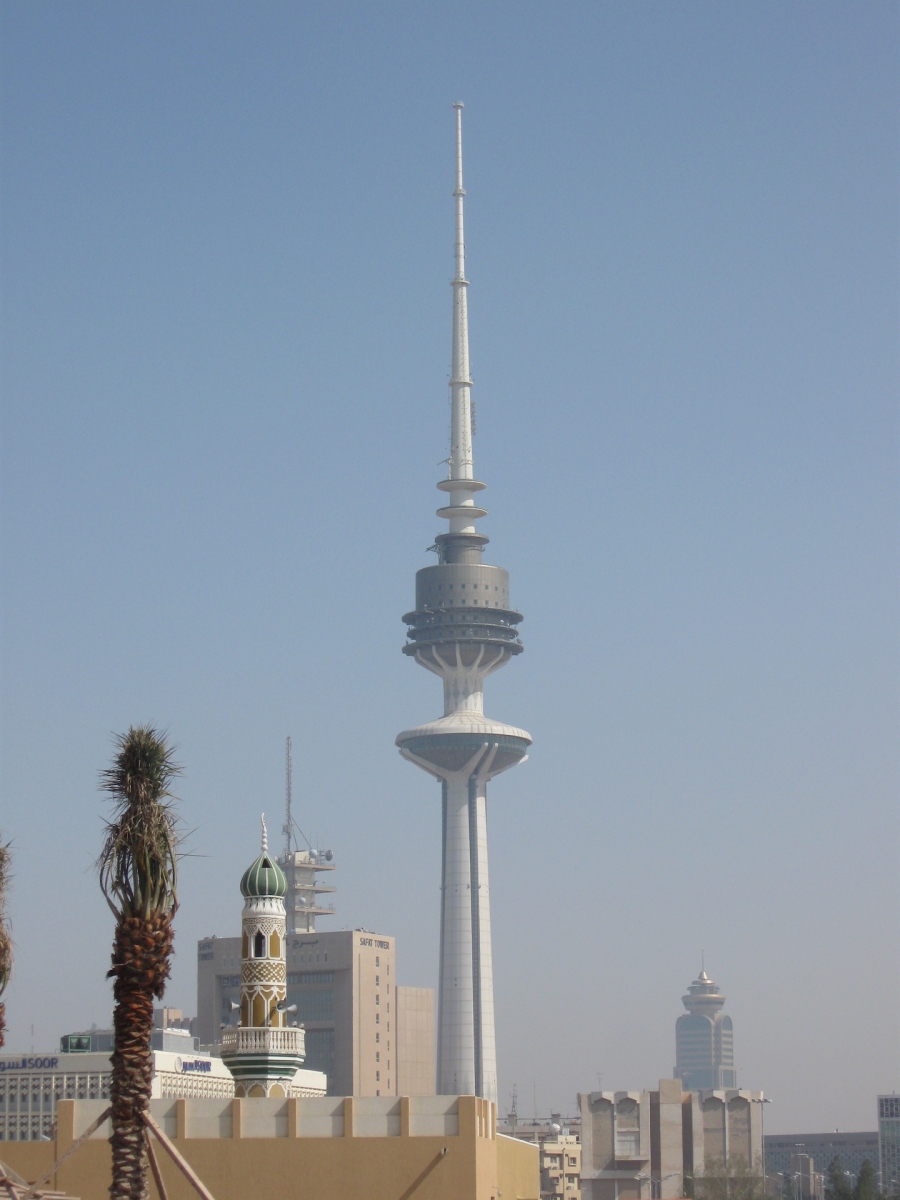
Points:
(343, 983)
(645, 1145)
(561, 1168)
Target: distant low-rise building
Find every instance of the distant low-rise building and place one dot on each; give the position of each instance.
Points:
(558, 1141)
(889, 1143)
(32, 1084)
(561, 1168)
(851, 1148)
(649, 1145)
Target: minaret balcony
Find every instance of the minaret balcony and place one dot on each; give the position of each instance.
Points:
(263, 1041)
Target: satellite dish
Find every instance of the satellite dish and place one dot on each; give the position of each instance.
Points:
(556, 1128)
(328, 855)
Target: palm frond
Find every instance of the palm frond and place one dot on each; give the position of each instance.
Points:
(138, 864)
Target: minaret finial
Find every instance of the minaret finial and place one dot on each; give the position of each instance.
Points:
(265, 836)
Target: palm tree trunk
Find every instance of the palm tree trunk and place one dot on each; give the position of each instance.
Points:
(141, 966)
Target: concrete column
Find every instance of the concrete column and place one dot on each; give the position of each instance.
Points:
(482, 950)
(456, 1068)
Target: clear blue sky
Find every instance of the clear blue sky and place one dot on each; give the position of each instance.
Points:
(227, 234)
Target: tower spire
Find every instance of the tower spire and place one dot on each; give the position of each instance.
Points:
(461, 512)
(461, 460)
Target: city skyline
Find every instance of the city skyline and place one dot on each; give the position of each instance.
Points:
(226, 259)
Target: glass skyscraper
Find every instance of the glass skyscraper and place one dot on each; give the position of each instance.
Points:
(704, 1039)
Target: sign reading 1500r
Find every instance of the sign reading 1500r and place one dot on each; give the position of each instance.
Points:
(30, 1064)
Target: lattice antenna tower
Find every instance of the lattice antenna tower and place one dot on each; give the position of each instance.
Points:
(288, 827)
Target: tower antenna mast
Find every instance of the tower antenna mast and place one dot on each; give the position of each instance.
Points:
(288, 827)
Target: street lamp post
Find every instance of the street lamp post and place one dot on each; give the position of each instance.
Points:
(762, 1101)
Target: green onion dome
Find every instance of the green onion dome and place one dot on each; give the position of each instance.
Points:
(263, 877)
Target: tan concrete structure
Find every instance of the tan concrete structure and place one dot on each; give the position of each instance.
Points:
(415, 1041)
(432, 1148)
(645, 1145)
(343, 983)
(561, 1168)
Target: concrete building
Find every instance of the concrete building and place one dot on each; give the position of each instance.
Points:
(343, 985)
(704, 1039)
(558, 1140)
(560, 1164)
(645, 1145)
(415, 1041)
(889, 1143)
(378, 1148)
(851, 1148)
(463, 629)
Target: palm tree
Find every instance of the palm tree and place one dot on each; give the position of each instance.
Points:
(5, 939)
(138, 869)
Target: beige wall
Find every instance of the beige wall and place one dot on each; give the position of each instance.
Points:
(470, 1163)
(415, 1041)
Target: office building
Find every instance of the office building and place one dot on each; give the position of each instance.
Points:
(462, 629)
(343, 985)
(32, 1085)
(889, 1143)
(851, 1148)
(645, 1145)
(704, 1039)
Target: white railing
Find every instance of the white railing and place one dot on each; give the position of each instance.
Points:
(263, 1041)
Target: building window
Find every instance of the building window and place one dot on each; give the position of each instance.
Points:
(377, 1056)
(378, 1019)
(377, 1037)
(377, 980)
(377, 998)
(377, 1076)
(377, 961)
(259, 945)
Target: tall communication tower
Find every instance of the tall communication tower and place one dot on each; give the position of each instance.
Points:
(463, 628)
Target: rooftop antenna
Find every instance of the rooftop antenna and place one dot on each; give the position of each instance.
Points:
(288, 827)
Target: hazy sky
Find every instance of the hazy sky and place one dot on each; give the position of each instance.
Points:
(227, 237)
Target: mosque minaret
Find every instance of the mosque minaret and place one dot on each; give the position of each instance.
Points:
(463, 628)
(264, 1052)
